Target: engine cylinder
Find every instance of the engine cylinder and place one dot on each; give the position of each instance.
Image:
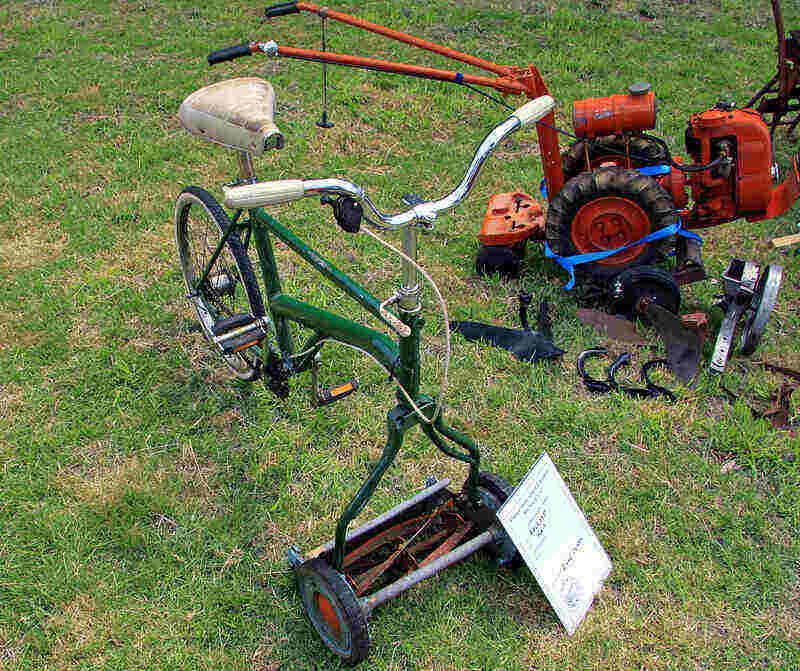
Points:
(611, 115)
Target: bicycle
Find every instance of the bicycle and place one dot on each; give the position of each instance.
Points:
(253, 336)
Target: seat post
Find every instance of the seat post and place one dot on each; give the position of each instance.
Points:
(246, 170)
(410, 288)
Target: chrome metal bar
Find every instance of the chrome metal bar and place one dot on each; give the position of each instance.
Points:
(409, 288)
(369, 603)
(427, 210)
(385, 517)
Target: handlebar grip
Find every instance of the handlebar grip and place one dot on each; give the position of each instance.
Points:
(535, 109)
(249, 196)
(281, 10)
(229, 53)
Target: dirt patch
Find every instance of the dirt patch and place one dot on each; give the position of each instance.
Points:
(77, 628)
(35, 248)
(102, 480)
(10, 400)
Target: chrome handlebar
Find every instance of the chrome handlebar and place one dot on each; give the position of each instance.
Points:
(281, 191)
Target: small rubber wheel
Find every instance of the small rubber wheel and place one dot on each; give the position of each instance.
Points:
(606, 209)
(334, 610)
(501, 260)
(611, 151)
(649, 282)
(494, 491)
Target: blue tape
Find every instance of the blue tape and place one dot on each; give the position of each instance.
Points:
(568, 263)
(655, 170)
(459, 77)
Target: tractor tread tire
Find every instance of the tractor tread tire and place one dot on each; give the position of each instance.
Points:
(643, 152)
(643, 190)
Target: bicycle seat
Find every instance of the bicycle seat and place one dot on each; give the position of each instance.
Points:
(236, 113)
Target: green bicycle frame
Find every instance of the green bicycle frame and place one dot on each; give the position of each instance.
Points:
(401, 359)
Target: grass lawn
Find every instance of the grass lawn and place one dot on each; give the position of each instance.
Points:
(147, 497)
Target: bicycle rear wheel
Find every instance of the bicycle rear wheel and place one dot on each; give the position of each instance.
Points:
(230, 288)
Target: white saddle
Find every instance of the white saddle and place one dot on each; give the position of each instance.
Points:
(235, 113)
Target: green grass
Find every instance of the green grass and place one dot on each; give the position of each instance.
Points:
(147, 499)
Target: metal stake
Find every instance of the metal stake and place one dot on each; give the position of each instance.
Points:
(323, 122)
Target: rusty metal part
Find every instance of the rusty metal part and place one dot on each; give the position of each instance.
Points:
(613, 327)
(427, 493)
(365, 580)
(785, 84)
(780, 411)
(449, 544)
(688, 274)
(390, 534)
(788, 372)
(369, 603)
(684, 345)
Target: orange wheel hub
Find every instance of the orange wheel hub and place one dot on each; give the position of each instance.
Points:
(329, 614)
(607, 223)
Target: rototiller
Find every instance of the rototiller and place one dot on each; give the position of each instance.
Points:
(617, 197)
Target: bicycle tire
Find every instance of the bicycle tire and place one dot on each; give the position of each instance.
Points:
(231, 287)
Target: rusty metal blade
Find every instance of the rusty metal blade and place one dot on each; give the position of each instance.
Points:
(613, 327)
(449, 544)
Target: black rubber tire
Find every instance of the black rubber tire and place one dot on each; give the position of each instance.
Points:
(496, 259)
(500, 489)
(497, 485)
(316, 577)
(645, 281)
(200, 223)
(643, 152)
(642, 190)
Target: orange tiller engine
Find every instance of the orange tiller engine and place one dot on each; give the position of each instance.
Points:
(740, 182)
(613, 115)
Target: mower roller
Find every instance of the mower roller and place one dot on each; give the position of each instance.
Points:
(617, 197)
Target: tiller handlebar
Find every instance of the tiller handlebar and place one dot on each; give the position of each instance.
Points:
(509, 80)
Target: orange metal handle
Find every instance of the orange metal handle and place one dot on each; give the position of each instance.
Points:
(502, 84)
(502, 70)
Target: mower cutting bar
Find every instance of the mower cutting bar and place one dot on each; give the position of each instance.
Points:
(501, 84)
(369, 603)
(325, 13)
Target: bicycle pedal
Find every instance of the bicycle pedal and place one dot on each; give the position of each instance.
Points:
(238, 333)
(337, 393)
(320, 397)
(231, 323)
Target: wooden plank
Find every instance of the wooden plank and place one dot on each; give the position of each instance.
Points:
(786, 240)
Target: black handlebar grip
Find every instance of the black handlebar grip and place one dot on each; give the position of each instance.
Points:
(229, 53)
(281, 10)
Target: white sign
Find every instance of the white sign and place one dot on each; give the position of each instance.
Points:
(556, 542)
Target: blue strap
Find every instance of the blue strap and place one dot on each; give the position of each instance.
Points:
(459, 77)
(568, 263)
(647, 170)
(655, 170)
